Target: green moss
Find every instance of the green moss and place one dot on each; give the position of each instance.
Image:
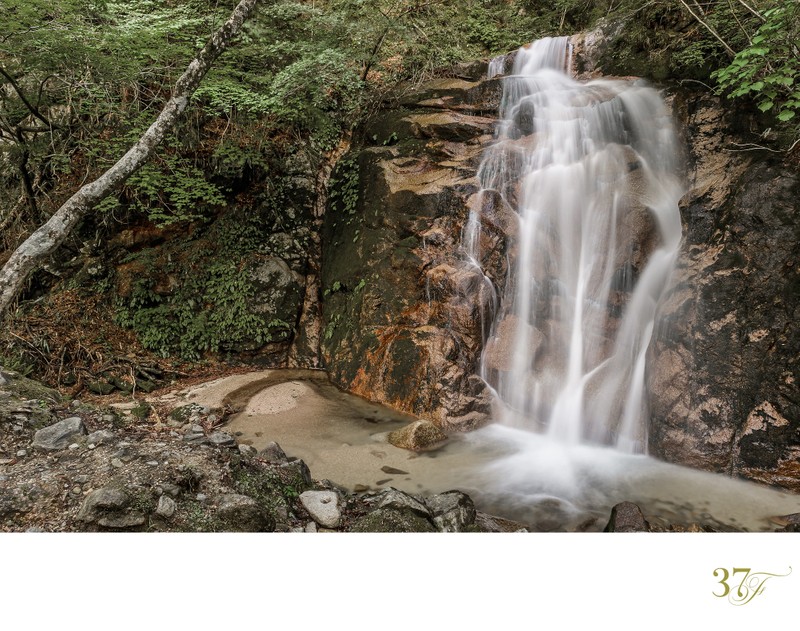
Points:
(266, 487)
(392, 520)
(142, 411)
(23, 387)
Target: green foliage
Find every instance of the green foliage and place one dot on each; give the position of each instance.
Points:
(301, 75)
(768, 68)
(316, 94)
(344, 187)
(331, 326)
(17, 363)
(696, 54)
(170, 191)
(209, 313)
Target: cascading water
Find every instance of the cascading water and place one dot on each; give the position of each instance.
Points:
(584, 178)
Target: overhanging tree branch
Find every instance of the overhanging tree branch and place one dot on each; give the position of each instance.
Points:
(45, 239)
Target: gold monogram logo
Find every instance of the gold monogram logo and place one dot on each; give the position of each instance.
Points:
(751, 585)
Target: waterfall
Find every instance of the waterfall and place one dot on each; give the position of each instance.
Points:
(583, 178)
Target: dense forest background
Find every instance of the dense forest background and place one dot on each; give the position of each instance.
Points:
(82, 80)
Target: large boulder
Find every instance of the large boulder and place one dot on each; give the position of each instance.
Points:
(59, 435)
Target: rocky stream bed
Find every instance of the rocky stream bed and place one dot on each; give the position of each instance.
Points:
(167, 464)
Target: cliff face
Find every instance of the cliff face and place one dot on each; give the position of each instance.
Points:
(724, 367)
(405, 318)
(403, 312)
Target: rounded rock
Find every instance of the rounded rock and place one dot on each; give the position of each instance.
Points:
(323, 506)
(418, 436)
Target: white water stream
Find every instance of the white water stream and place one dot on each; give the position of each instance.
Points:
(588, 173)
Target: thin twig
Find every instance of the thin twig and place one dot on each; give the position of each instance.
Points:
(752, 10)
(705, 85)
(751, 146)
(710, 29)
(738, 21)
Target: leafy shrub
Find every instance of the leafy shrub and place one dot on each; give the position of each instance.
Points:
(767, 69)
(210, 312)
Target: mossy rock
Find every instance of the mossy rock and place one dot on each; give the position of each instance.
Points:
(25, 388)
(392, 520)
(184, 413)
(101, 387)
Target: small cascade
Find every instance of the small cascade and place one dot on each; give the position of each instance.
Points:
(583, 178)
(497, 66)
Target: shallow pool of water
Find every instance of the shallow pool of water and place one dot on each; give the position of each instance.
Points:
(544, 484)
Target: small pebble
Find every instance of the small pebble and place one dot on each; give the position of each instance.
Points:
(76, 490)
(22, 453)
(91, 446)
(74, 446)
(152, 463)
(117, 463)
(202, 497)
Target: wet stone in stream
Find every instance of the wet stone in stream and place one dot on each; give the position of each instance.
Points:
(393, 471)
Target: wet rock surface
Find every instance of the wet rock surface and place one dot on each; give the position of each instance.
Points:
(402, 325)
(627, 517)
(726, 361)
(417, 436)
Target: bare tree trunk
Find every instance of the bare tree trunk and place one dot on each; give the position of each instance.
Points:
(45, 239)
